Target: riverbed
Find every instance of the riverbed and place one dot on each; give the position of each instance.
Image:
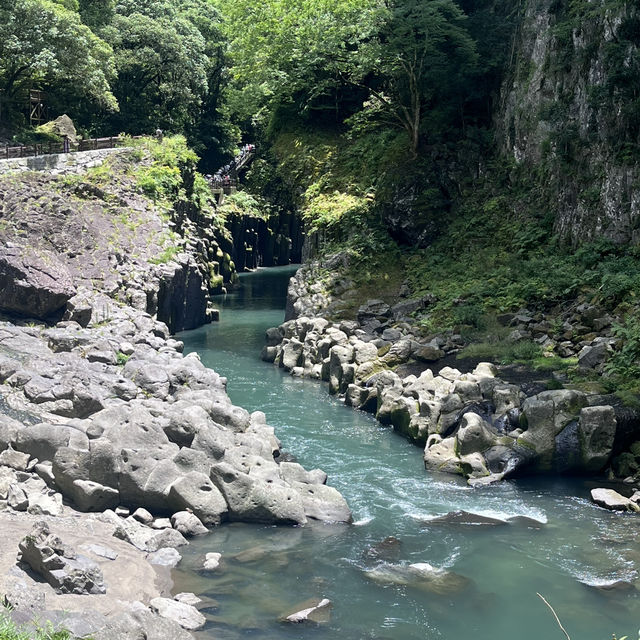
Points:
(540, 535)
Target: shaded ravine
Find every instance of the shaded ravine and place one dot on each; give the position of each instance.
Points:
(561, 539)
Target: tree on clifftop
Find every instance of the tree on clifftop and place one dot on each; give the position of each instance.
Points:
(44, 44)
(415, 65)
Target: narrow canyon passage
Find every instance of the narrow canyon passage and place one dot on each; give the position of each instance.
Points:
(533, 535)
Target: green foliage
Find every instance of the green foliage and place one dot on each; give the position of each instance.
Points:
(10, 631)
(415, 65)
(162, 67)
(243, 203)
(286, 50)
(401, 64)
(44, 44)
(624, 363)
(167, 255)
(171, 174)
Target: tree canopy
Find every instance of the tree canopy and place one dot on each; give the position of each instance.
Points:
(44, 44)
(196, 66)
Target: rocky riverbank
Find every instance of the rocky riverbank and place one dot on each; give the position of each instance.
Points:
(114, 448)
(471, 422)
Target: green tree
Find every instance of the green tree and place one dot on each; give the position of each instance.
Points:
(415, 66)
(44, 44)
(96, 13)
(291, 50)
(162, 69)
(170, 58)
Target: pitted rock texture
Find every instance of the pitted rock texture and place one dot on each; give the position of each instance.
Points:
(150, 429)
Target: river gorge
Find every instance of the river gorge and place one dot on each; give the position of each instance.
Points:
(531, 535)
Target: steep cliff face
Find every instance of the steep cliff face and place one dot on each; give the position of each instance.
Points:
(265, 242)
(570, 110)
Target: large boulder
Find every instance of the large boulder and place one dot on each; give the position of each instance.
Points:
(550, 418)
(323, 503)
(195, 491)
(62, 126)
(474, 435)
(597, 431)
(33, 283)
(610, 499)
(252, 499)
(187, 616)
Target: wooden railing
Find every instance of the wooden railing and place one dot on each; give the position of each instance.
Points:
(47, 148)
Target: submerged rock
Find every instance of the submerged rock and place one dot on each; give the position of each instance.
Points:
(313, 610)
(420, 575)
(466, 518)
(186, 615)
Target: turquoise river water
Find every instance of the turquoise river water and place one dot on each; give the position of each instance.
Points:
(556, 543)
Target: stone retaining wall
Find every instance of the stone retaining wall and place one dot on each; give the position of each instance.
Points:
(59, 163)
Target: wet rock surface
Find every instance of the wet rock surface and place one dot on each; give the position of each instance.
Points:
(470, 422)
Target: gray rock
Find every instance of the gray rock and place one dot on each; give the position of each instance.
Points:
(474, 435)
(547, 415)
(294, 472)
(33, 283)
(187, 616)
(591, 357)
(161, 523)
(14, 459)
(79, 309)
(142, 515)
(167, 557)
(16, 498)
(212, 561)
(140, 624)
(254, 500)
(45, 505)
(197, 492)
(323, 503)
(62, 568)
(184, 423)
(373, 309)
(140, 536)
(188, 524)
(188, 598)
(313, 610)
(610, 499)
(43, 440)
(597, 431)
(92, 496)
(429, 353)
(291, 355)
